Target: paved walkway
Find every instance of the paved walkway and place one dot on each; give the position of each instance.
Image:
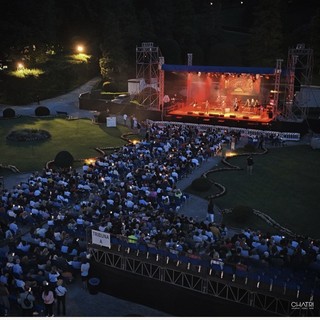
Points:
(195, 206)
(68, 102)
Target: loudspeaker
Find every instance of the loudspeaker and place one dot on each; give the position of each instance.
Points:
(201, 113)
(189, 112)
(213, 115)
(221, 115)
(232, 116)
(245, 118)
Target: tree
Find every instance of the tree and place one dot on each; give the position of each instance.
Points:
(63, 159)
(105, 66)
(315, 39)
(267, 37)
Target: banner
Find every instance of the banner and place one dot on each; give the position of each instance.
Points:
(101, 238)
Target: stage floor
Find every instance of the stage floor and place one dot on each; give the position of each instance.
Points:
(246, 114)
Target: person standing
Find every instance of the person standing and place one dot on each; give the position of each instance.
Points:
(132, 121)
(210, 210)
(61, 292)
(261, 141)
(125, 117)
(48, 300)
(250, 164)
(85, 267)
(27, 307)
(4, 298)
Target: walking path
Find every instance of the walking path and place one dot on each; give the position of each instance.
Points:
(68, 102)
(195, 206)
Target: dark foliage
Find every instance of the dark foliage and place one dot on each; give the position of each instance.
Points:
(9, 113)
(26, 135)
(42, 111)
(63, 159)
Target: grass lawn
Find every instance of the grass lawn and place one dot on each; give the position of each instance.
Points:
(79, 137)
(285, 185)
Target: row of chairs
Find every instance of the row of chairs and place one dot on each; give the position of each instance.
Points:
(274, 280)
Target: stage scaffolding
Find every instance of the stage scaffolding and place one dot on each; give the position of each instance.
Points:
(299, 72)
(198, 279)
(148, 59)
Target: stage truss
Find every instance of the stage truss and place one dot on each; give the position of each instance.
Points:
(148, 58)
(299, 72)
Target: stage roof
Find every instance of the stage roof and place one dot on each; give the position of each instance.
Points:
(217, 69)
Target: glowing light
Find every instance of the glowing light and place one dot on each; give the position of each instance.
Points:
(80, 48)
(20, 66)
(90, 161)
(230, 154)
(135, 141)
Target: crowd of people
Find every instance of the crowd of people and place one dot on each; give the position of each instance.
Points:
(133, 194)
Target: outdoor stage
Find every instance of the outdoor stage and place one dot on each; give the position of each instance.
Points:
(236, 93)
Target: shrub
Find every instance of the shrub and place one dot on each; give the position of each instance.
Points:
(241, 214)
(63, 159)
(102, 116)
(249, 148)
(9, 113)
(42, 111)
(201, 184)
(28, 135)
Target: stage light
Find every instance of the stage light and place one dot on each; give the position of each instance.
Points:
(199, 74)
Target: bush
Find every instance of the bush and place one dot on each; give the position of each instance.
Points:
(42, 111)
(63, 159)
(249, 148)
(102, 116)
(29, 135)
(241, 214)
(201, 184)
(9, 113)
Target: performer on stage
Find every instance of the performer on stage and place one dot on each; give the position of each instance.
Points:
(235, 104)
(207, 106)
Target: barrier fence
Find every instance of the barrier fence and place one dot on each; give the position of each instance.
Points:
(289, 136)
(270, 289)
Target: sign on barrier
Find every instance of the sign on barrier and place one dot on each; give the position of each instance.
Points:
(101, 238)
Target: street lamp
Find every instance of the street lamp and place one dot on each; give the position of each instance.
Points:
(20, 66)
(80, 48)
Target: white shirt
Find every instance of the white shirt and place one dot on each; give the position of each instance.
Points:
(85, 269)
(61, 291)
